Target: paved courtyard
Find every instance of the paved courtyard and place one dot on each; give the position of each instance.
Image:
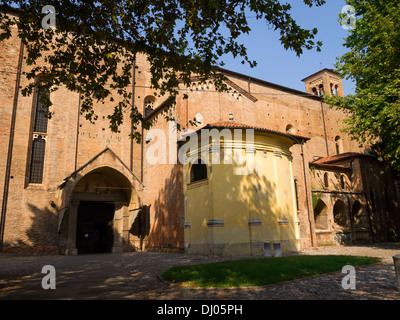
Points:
(135, 276)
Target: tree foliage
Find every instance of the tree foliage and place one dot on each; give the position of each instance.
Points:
(93, 47)
(373, 62)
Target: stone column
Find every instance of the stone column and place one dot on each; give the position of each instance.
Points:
(396, 260)
(118, 227)
(72, 224)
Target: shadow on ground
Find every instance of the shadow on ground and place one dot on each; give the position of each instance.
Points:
(80, 277)
(136, 276)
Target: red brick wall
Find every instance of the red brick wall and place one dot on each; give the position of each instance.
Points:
(72, 141)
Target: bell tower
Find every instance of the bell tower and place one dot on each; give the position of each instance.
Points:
(325, 81)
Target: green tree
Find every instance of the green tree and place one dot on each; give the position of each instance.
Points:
(95, 43)
(373, 62)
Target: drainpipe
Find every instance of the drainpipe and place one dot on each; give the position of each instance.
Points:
(77, 132)
(349, 203)
(323, 121)
(133, 105)
(10, 147)
(307, 200)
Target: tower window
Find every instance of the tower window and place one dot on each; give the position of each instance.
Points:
(314, 91)
(334, 89)
(321, 90)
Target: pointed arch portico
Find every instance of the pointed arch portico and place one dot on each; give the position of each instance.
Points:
(105, 179)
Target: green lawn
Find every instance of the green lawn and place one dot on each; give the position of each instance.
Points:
(260, 271)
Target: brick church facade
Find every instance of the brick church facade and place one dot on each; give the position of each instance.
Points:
(70, 187)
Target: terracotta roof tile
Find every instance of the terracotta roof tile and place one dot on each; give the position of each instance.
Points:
(340, 157)
(235, 125)
(330, 166)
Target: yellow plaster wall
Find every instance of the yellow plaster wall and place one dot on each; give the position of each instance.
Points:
(267, 194)
(198, 211)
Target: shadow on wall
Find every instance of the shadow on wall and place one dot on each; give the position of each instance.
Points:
(256, 196)
(383, 202)
(238, 198)
(254, 193)
(141, 228)
(166, 231)
(41, 237)
(378, 214)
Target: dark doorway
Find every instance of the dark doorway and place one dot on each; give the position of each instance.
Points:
(94, 232)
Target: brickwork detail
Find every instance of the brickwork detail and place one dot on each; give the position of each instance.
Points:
(33, 211)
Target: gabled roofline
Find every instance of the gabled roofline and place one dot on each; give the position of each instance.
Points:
(91, 161)
(323, 70)
(270, 84)
(223, 70)
(295, 138)
(341, 157)
(230, 83)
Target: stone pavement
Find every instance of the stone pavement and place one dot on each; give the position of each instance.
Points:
(77, 277)
(135, 276)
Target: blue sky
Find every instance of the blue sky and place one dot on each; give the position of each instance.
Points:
(275, 64)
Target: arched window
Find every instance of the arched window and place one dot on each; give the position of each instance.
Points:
(39, 138)
(198, 171)
(334, 89)
(321, 215)
(321, 90)
(326, 181)
(338, 142)
(342, 182)
(314, 91)
(340, 214)
(148, 105)
(41, 118)
(357, 214)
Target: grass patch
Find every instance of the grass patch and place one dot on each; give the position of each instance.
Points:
(260, 271)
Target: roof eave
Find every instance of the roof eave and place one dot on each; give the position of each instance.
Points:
(295, 138)
(329, 167)
(272, 85)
